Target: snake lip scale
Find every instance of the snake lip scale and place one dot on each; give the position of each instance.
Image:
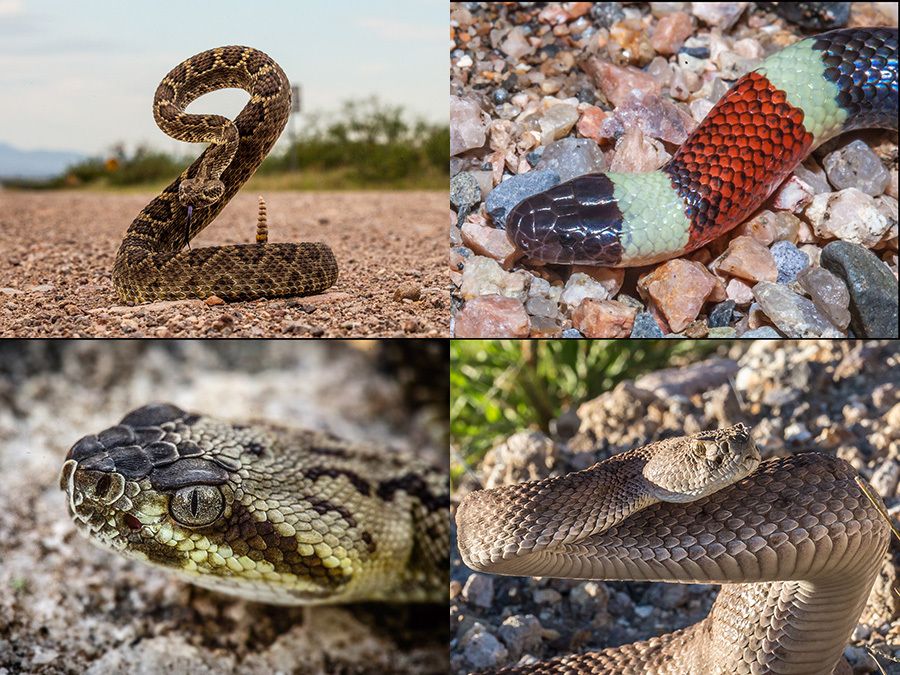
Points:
(270, 514)
(794, 541)
(750, 141)
(150, 263)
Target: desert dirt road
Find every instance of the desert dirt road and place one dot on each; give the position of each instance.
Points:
(57, 251)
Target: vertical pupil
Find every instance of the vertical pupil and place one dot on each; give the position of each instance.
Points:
(195, 503)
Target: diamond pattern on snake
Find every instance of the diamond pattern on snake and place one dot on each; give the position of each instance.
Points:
(152, 262)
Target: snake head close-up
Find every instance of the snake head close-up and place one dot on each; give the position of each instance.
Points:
(252, 511)
(700, 464)
(199, 193)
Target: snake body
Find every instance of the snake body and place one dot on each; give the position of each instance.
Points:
(150, 263)
(263, 512)
(794, 541)
(740, 153)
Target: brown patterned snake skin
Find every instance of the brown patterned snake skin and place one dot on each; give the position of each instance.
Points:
(151, 264)
(794, 541)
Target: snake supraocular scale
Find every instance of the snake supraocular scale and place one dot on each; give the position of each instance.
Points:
(151, 264)
(263, 512)
(739, 154)
(794, 541)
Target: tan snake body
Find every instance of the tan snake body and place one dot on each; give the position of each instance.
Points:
(150, 263)
(796, 545)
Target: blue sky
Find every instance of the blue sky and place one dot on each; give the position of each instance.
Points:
(81, 75)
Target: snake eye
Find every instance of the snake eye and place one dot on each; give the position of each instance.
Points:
(197, 505)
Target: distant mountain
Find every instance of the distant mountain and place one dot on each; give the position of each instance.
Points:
(15, 163)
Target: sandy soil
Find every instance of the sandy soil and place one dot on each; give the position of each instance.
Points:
(57, 251)
(68, 607)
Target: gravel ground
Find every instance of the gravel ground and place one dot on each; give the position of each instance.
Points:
(57, 251)
(544, 92)
(837, 398)
(68, 607)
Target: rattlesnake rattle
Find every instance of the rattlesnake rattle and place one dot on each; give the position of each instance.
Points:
(795, 542)
(263, 512)
(150, 263)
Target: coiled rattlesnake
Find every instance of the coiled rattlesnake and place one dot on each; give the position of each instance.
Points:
(151, 264)
(794, 541)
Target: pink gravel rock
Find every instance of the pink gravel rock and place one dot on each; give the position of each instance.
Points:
(604, 318)
(678, 288)
(671, 32)
(828, 293)
(492, 316)
(721, 14)
(610, 278)
(516, 45)
(770, 226)
(850, 215)
(739, 291)
(653, 115)
(620, 85)
(468, 125)
(483, 276)
(581, 286)
(490, 242)
(636, 153)
(590, 122)
(748, 259)
(557, 122)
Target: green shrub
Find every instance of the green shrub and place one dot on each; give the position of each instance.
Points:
(498, 387)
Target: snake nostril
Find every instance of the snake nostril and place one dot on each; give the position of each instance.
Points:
(103, 485)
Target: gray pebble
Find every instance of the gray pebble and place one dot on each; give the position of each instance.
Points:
(720, 315)
(521, 633)
(573, 333)
(464, 192)
(645, 326)
(513, 190)
(763, 332)
(572, 157)
(873, 289)
(479, 590)
(789, 260)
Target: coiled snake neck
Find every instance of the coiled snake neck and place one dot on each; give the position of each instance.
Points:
(267, 513)
(150, 263)
(794, 541)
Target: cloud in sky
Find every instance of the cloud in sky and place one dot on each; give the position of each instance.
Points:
(389, 29)
(11, 8)
(83, 74)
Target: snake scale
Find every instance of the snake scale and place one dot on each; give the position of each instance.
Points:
(150, 263)
(794, 541)
(267, 513)
(744, 148)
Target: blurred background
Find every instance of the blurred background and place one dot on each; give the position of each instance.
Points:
(529, 410)
(498, 387)
(371, 113)
(66, 606)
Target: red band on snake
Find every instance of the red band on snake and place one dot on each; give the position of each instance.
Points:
(752, 139)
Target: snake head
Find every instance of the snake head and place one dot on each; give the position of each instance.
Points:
(199, 193)
(686, 469)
